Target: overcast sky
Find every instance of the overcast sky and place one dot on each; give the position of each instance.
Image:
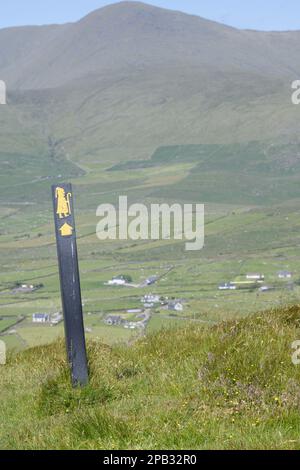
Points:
(254, 14)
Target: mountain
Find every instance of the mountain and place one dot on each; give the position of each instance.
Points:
(130, 77)
(134, 36)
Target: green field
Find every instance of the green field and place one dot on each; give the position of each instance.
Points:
(251, 225)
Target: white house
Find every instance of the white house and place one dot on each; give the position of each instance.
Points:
(265, 289)
(117, 282)
(255, 277)
(40, 318)
(150, 299)
(113, 320)
(56, 318)
(227, 286)
(151, 280)
(175, 306)
(285, 275)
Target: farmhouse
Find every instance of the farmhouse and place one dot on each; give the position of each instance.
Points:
(113, 320)
(150, 299)
(130, 325)
(175, 306)
(40, 318)
(117, 281)
(255, 277)
(121, 280)
(265, 288)
(285, 275)
(56, 318)
(227, 286)
(151, 280)
(26, 288)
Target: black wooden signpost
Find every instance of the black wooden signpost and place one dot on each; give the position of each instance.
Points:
(70, 282)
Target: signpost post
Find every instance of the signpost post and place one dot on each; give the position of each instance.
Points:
(62, 196)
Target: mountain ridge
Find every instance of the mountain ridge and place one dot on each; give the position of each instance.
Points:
(131, 77)
(133, 35)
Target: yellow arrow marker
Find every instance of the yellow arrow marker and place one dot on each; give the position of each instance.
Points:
(66, 230)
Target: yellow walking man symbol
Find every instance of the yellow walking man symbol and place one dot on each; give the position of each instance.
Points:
(63, 203)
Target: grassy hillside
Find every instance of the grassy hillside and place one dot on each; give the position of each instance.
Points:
(231, 386)
(91, 102)
(252, 223)
(256, 173)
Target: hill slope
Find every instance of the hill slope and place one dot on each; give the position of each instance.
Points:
(133, 35)
(232, 386)
(131, 77)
